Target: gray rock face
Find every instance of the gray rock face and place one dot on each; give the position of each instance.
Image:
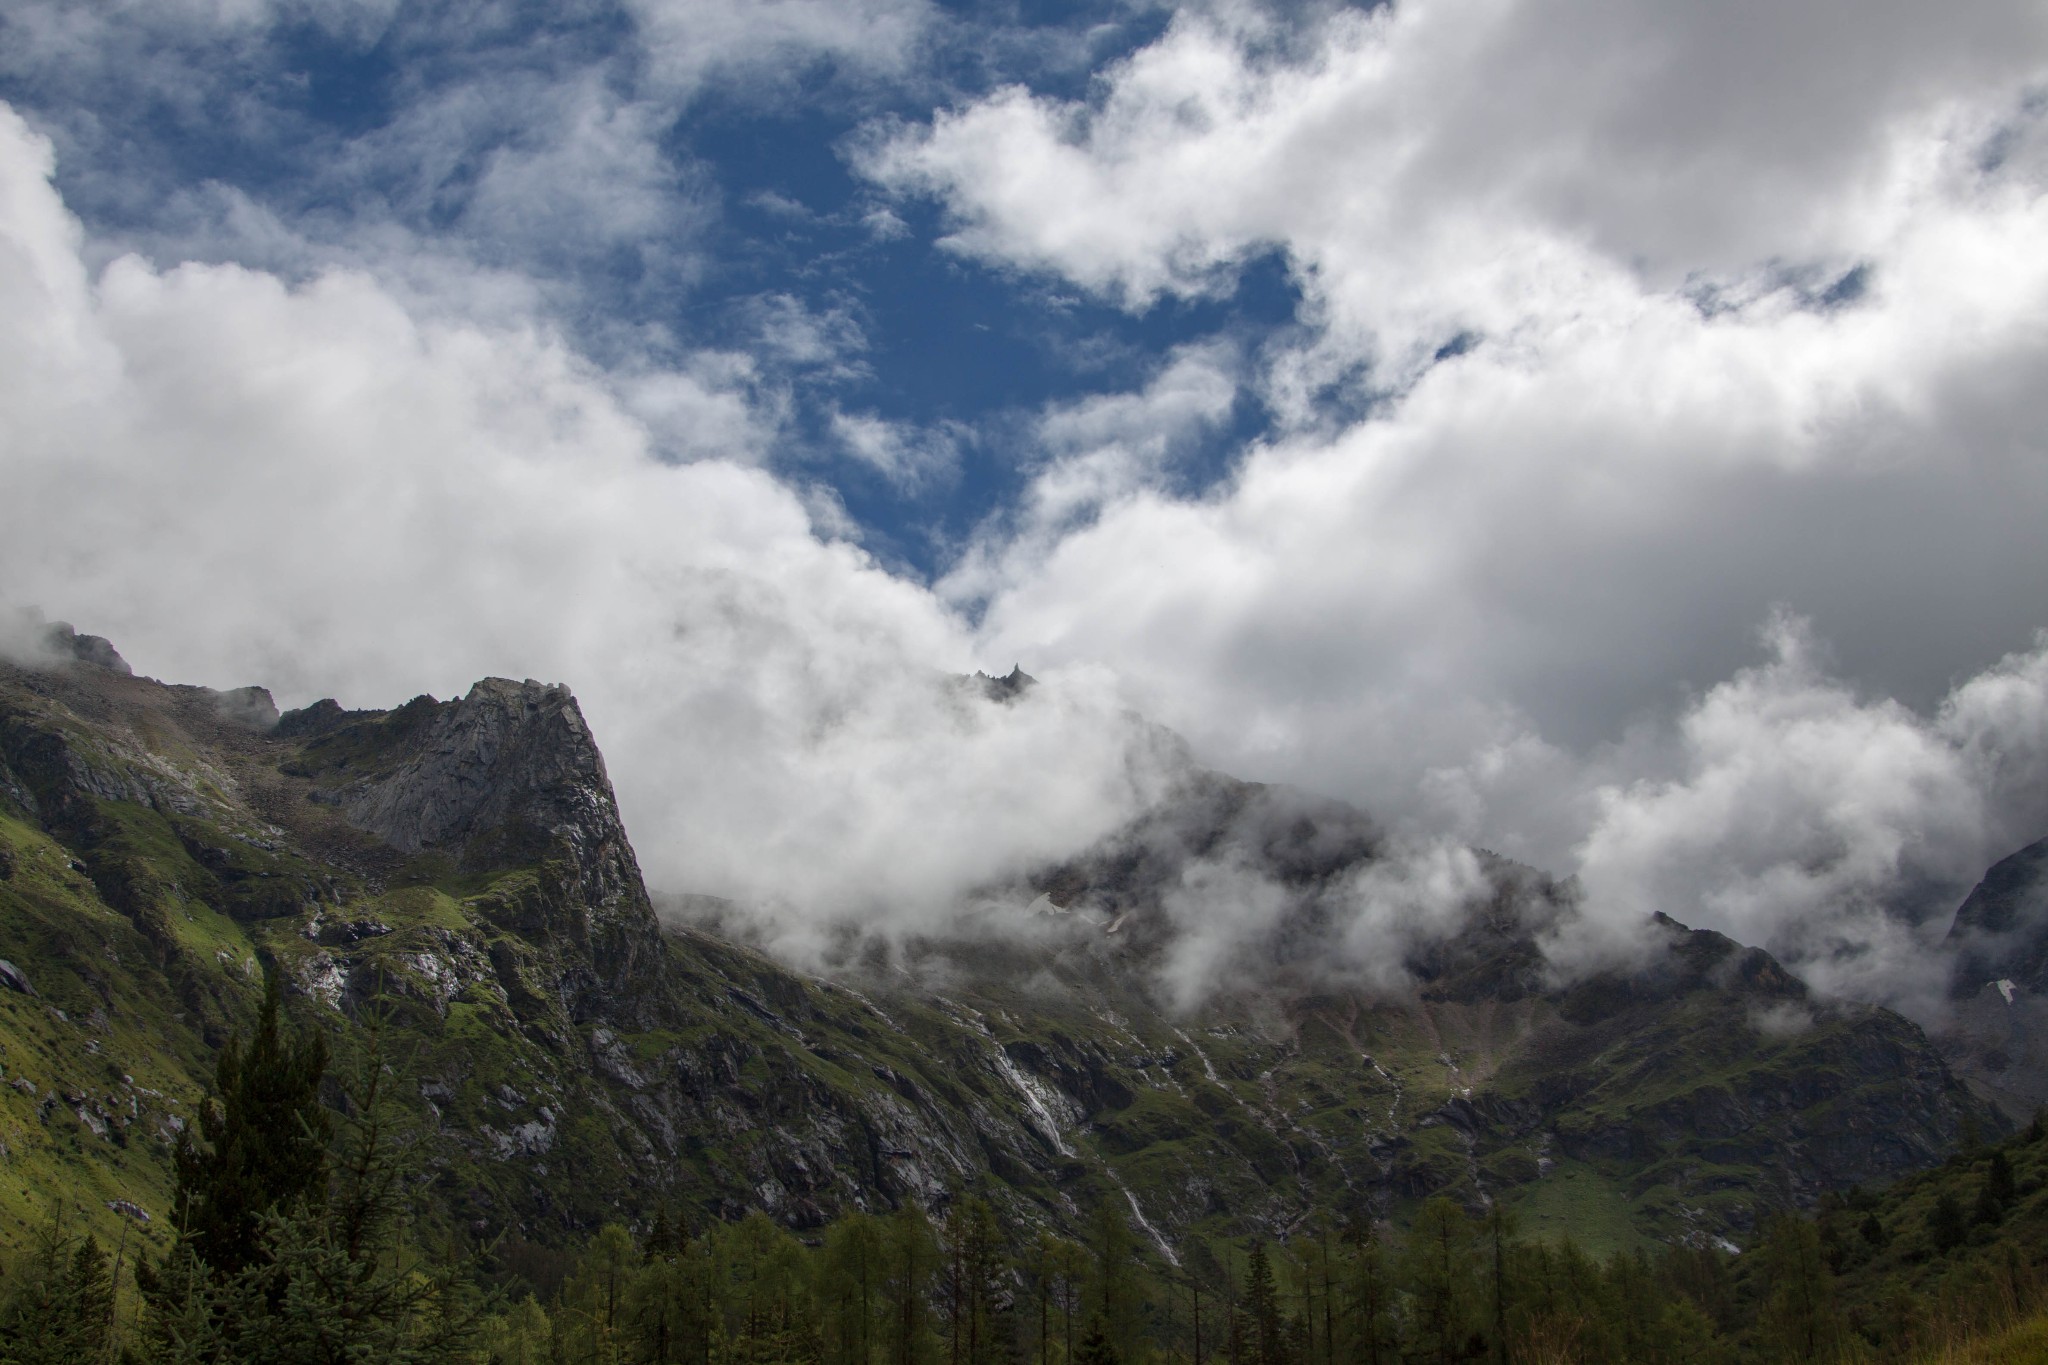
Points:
(509, 763)
(507, 777)
(1997, 1038)
(2001, 931)
(250, 706)
(87, 649)
(14, 978)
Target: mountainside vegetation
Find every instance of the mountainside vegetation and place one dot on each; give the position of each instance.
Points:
(195, 892)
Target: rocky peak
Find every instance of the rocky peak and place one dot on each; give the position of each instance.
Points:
(2001, 929)
(505, 777)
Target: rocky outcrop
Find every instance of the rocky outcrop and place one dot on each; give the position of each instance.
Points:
(507, 777)
(2000, 933)
(1997, 1034)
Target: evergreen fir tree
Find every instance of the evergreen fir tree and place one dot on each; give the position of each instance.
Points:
(265, 1139)
(1438, 1266)
(1997, 1192)
(1800, 1317)
(1262, 1307)
(1946, 1226)
(1096, 1347)
(59, 1304)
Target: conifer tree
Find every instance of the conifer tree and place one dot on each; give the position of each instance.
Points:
(59, 1302)
(1096, 1346)
(264, 1137)
(1946, 1226)
(1438, 1264)
(1997, 1192)
(1369, 1307)
(1262, 1308)
(1112, 1290)
(1800, 1317)
(850, 1284)
(911, 1262)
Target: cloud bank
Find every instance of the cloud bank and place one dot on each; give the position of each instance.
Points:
(1651, 491)
(241, 479)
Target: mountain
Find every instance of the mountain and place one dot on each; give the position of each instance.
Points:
(458, 870)
(1998, 1038)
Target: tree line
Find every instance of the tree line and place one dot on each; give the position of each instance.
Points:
(298, 1242)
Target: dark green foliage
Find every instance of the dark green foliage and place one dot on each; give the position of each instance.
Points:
(1946, 1226)
(1439, 1265)
(1996, 1194)
(57, 1302)
(1112, 1288)
(975, 1281)
(1096, 1346)
(264, 1139)
(1262, 1307)
(1801, 1318)
(331, 1273)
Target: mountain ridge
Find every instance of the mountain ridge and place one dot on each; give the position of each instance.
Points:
(462, 866)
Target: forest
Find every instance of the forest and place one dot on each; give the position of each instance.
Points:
(304, 1234)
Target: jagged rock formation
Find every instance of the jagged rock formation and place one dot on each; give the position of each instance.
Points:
(1998, 1038)
(2001, 930)
(462, 866)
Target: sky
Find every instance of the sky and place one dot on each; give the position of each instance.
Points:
(1609, 432)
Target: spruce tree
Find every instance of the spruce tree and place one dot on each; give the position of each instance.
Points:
(1096, 1346)
(1262, 1306)
(59, 1304)
(264, 1142)
(1112, 1293)
(1997, 1192)
(1946, 1226)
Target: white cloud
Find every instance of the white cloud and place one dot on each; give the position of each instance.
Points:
(691, 42)
(240, 480)
(1805, 819)
(906, 455)
(1572, 406)
(1096, 453)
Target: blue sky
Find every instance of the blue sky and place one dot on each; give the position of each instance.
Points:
(749, 217)
(1459, 407)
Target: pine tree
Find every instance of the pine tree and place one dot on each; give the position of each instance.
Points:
(850, 1282)
(1112, 1291)
(265, 1139)
(910, 1261)
(1096, 1346)
(1946, 1226)
(1369, 1307)
(334, 1276)
(59, 1308)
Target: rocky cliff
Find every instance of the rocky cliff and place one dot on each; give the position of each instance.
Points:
(1998, 1037)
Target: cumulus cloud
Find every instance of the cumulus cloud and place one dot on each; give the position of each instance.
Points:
(1621, 324)
(691, 42)
(1094, 453)
(239, 479)
(1836, 830)
(905, 455)
(1238, 926)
